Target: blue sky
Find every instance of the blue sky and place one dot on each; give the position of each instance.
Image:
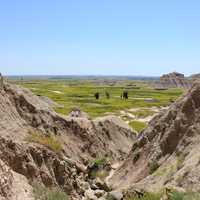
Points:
(99, 37)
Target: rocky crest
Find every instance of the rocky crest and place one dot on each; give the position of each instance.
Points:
(82, 140)
(166, 153)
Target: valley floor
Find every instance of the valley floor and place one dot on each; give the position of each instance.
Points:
(143, 104)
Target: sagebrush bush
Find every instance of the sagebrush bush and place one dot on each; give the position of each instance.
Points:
(100, 161)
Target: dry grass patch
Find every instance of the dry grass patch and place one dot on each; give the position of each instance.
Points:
(49, 140)
(42, 193)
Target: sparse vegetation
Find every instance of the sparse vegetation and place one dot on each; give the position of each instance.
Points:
(147, 196)
(98, 169)
(174, 195)
(49, 140)
(137, 125)
(99, 161)
(179, 180)
(153, 166)
(42, 193)
(191, 196)
(143, 113)
(110, 198)
(180, 161)
(102, 174)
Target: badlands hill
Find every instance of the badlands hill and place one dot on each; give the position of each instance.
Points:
(27, 122)
(173, 80)
(166, 153)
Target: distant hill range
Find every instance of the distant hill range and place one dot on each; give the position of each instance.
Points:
(81, 77)
(171, 80)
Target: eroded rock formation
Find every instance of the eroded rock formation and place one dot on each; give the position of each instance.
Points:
(173, 80)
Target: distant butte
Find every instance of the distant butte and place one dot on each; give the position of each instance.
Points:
(173, 80)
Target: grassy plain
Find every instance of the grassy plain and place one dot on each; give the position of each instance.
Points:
(71, 93)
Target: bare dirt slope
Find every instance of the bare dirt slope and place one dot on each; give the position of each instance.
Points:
(167, 152)
(82, 140)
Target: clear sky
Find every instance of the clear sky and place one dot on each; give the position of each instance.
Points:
(99, 37)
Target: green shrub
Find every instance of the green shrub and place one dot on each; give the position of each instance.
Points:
(42, 193)
(49, 141)
(177, 196)
(98, 170)
(99, 162)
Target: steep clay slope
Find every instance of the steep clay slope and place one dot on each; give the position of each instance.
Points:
(22, 113)
(167, 152)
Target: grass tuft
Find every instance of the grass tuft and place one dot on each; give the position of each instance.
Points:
(137, 125)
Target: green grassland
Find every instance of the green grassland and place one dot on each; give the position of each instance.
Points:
(80, 93)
